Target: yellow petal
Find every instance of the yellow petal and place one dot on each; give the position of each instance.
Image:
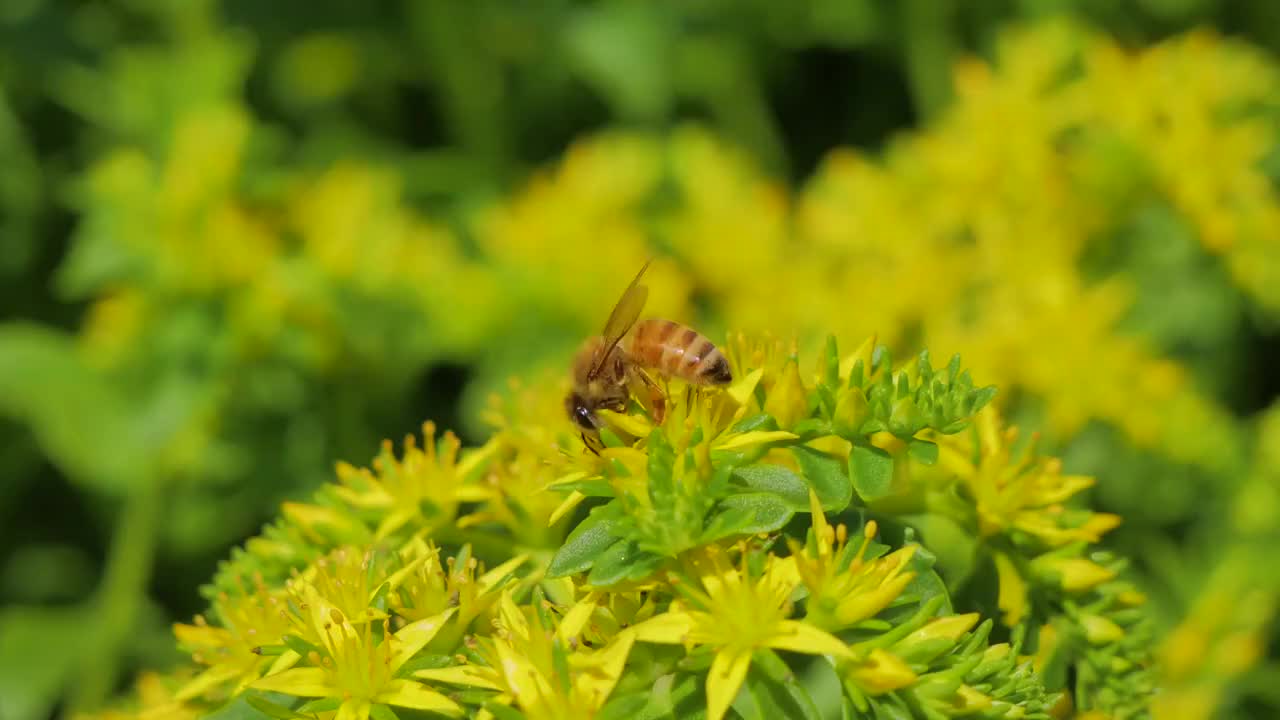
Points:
(1065, 487)
(1099, 524)
(566, 506)
(414, 636)
(474, 459)
(512, 619)
(863, 353)
(521, 676)
(286, 660)
(353, 710)
(397, 578)
(880, 672)
(492, 577)
(393, 521)
(409, 694)
(670, 627)
(472, 675)
(572, 477)
(802, 637)
(954, 461)
(742, 390)
(372, 498)
(754, 437)
(821, 528)
(471, 493)
(1072, 574)
(711, 566)
(724, 680)
(208, 635)
(207, 680)
(1012, 597)
(574, 620)
(950, 627)
(310, 518)
(301, 682)
(633, 425)
(606, 668)
(1099, 630)
(969, 700)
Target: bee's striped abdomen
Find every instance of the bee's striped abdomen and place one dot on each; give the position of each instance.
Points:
(678, 351)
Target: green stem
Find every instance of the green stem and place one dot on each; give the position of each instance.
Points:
(120, 598)
(930, 52)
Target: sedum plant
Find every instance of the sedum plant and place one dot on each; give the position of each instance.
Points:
(864, 540)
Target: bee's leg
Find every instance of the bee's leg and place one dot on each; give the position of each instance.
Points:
(586, 443)
(656, 396)
(659, 400)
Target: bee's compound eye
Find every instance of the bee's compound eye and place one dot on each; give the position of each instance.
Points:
(582, 416)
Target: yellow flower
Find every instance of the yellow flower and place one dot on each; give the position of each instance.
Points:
(426, 586)
(424, 486)
(358, 663)
(344, 579)
(735, 612)
(540, 664)
(1017, 489)
(230, 649)
(845, 589)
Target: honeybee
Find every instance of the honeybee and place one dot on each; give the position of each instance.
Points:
(618, 361)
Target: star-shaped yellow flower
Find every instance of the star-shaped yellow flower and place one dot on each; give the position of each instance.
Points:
(540, 664)
(358, 664)
(844, 588)
(735, 612)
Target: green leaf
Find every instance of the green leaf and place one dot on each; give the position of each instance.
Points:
(761, 421)
(624, 707)
(748, 514)
(298, 645)
(955, 549)
(593, 536)
(923, 588)
(81, 421)
(623, 561)
(591, 487)
(675, 698)
(424, 662)
(923, 451)
(872, 470)
(319, 705)
(775, 692)
(810, 428)
(271, 709)
(243, 708)
(826, 475)
(981, 397)
(503, 712)
(378, 711)
(781, 481)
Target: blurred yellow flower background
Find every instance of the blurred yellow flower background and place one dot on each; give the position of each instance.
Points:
(1093, 226)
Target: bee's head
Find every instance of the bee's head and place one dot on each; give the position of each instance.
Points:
(581, 413)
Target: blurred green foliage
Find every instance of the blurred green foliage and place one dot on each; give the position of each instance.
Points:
(241, 241)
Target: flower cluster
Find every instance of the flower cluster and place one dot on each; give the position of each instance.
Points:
(269, 290)
(705, 561)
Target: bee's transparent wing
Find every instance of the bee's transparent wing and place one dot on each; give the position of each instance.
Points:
(624, 315)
